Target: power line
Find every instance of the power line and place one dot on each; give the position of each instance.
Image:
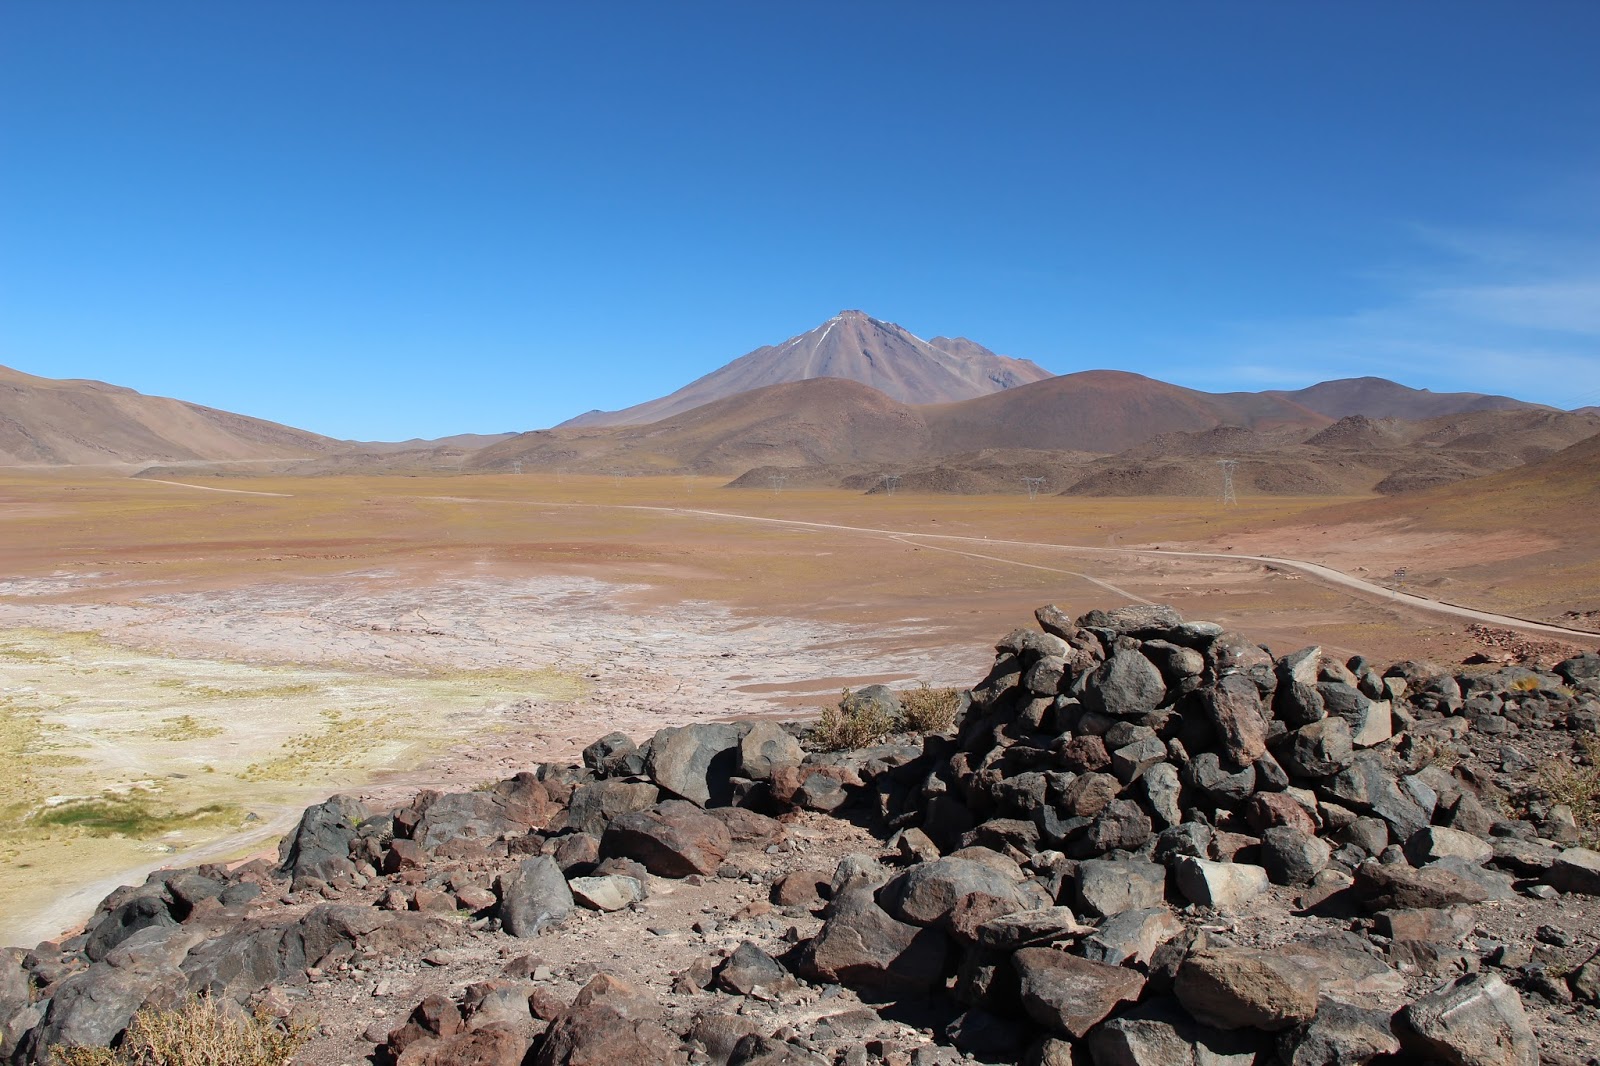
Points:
(1228, 495)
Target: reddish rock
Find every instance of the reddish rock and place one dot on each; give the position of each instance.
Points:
(1085, 753)
(1234, 706)
(1264, 810)
(1069, 995)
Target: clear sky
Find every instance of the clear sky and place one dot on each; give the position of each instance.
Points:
(412, 217)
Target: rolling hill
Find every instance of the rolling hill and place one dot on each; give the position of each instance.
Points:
(50, 422)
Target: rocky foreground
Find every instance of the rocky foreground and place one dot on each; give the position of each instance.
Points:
(1144, 841)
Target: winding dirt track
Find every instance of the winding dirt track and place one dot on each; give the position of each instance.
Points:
(1316, 570)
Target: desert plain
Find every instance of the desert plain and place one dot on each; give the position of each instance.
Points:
(185, 664)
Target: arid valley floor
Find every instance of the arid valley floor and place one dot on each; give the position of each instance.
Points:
(197, 661)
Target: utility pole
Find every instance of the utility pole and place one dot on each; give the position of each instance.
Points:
(1033, 485)
(777, 481)
(1228, 495)
(890, 483)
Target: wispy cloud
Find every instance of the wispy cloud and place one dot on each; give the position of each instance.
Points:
(1484, 311)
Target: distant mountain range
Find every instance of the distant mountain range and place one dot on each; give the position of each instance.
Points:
(857, 397)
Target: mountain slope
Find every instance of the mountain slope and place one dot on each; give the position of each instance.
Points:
(1382, 398)
(45, 421)
(817, 421)
(849, 345)
(1104, 411)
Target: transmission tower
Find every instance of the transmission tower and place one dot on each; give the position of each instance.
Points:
(1228, 495)
(516, 467)
(890, 483)
(777, 481)
(1033, 485)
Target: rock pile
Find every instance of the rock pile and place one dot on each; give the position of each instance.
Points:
(1145, 841)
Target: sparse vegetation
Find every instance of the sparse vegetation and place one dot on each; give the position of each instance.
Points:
(928, 709)
(853, 722)
(133, 815)
(1577, 784)
(184, 727)
(856, 721)
(200, 1032)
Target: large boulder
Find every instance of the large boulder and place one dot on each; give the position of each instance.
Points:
(1124, 686)
(595, 804)
(697, 762)
(533, 896)
(609, 1023)
(510, 808)
(671, 839)
(862, 946)
(1477, 1020)
(1240, 988)
(1069, 995)
(929, 891)
(319, 847)
(1234, 707)
(765, 748)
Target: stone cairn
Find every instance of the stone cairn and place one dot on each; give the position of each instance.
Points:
(1064, 876)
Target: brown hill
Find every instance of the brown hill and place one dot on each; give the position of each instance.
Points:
(1355, 455)
(45, 421)
(1104, 411)
(819, 421)
(849, 345)
(1382, 398)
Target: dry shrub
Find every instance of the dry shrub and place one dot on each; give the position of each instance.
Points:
(1578, 786)
(199, 1033)
(930, 710)
(853, 723)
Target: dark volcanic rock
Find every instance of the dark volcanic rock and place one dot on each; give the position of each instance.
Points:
(672, 839)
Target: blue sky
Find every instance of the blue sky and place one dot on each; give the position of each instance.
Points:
(382, 220)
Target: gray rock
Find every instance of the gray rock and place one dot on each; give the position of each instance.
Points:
(1240, 988)
(1131, 936)
(749, 968)
(607, 892)
(140, 912)
(1399, 886)
(1160, 1033)
(1021, 929)
(1576, 870)
(1163, 792)
(696, 762)
(1291, 856)
(1320, 749)
(320, 844)
(1234, 706)
(533, 896)
(1108, 886)
(1477, 1020)
(1206, 773)
(1437, 842)
(1368, 787)
(1340, 1035)
(614, 755)
(511, 808)
(862, 947)
(1223, 886)
(1138, 618)
(1125, 685)
(767, 747)
(1373, 726)
(1068, 995)
(671, 839)
(929, 891)
(595, 804)
(91, 1009)
(1132, 760)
